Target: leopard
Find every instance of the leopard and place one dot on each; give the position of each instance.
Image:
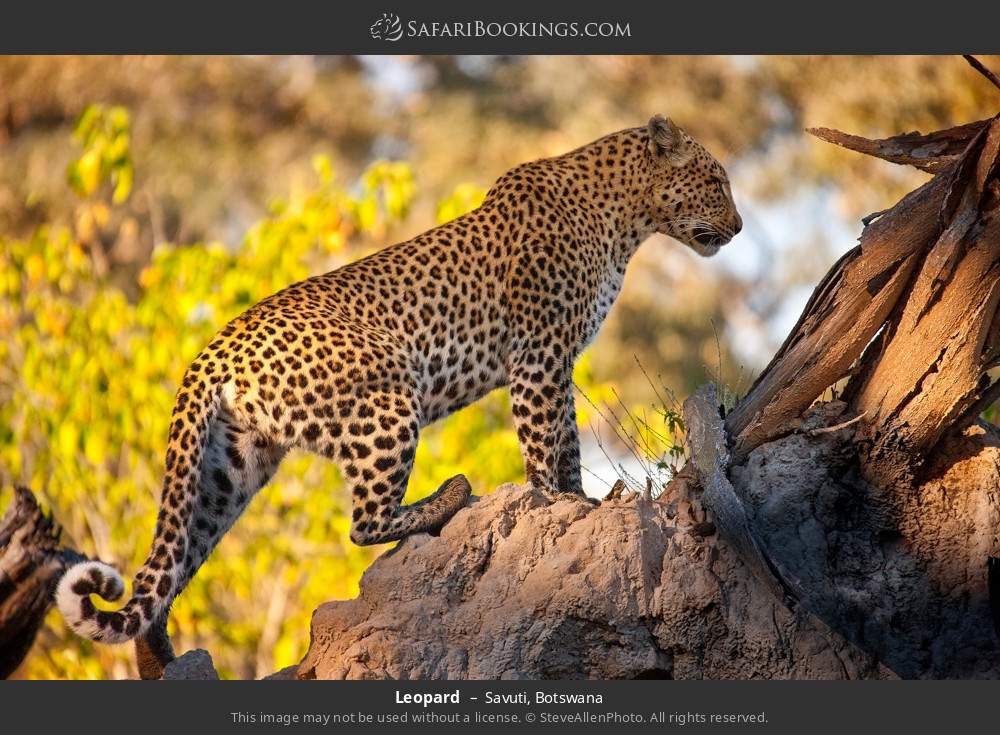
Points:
(352, 364)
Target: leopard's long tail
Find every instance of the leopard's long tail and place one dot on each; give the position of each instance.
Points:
(156, 584)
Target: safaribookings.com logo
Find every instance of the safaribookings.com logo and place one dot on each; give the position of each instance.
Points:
(390, 28)
(387, 28)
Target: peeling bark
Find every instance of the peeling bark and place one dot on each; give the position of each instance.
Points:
(932, 153)
(925, 281)
(932, 366)
(31, 562)
(845, 312)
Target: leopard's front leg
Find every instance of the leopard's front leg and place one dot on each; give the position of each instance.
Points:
(545, 421)
(568, 469)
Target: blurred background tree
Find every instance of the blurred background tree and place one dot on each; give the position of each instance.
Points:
(146, 201)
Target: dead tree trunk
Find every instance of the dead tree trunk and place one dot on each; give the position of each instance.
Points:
(31, 562)
(924, 280)
(905, 566)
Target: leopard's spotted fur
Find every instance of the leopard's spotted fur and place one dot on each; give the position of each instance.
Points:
(351, 364)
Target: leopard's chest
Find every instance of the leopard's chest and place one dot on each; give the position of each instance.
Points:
(602, 298)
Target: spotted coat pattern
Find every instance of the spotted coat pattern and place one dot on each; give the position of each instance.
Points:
(353, 363)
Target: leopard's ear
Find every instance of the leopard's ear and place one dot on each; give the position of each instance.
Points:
(667, 142)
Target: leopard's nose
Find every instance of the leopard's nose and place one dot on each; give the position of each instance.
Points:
(737, 225)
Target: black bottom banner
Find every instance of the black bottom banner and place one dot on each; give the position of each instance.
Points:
(523, 706)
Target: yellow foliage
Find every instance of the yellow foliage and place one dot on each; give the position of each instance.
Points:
(104, 134)
(464, 198)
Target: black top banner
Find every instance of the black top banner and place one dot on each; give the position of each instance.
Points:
(508, 27)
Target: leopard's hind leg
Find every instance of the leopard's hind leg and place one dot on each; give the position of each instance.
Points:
(238, 462)
(375, 440)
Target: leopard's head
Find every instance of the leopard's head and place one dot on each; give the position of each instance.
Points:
(689, 197)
